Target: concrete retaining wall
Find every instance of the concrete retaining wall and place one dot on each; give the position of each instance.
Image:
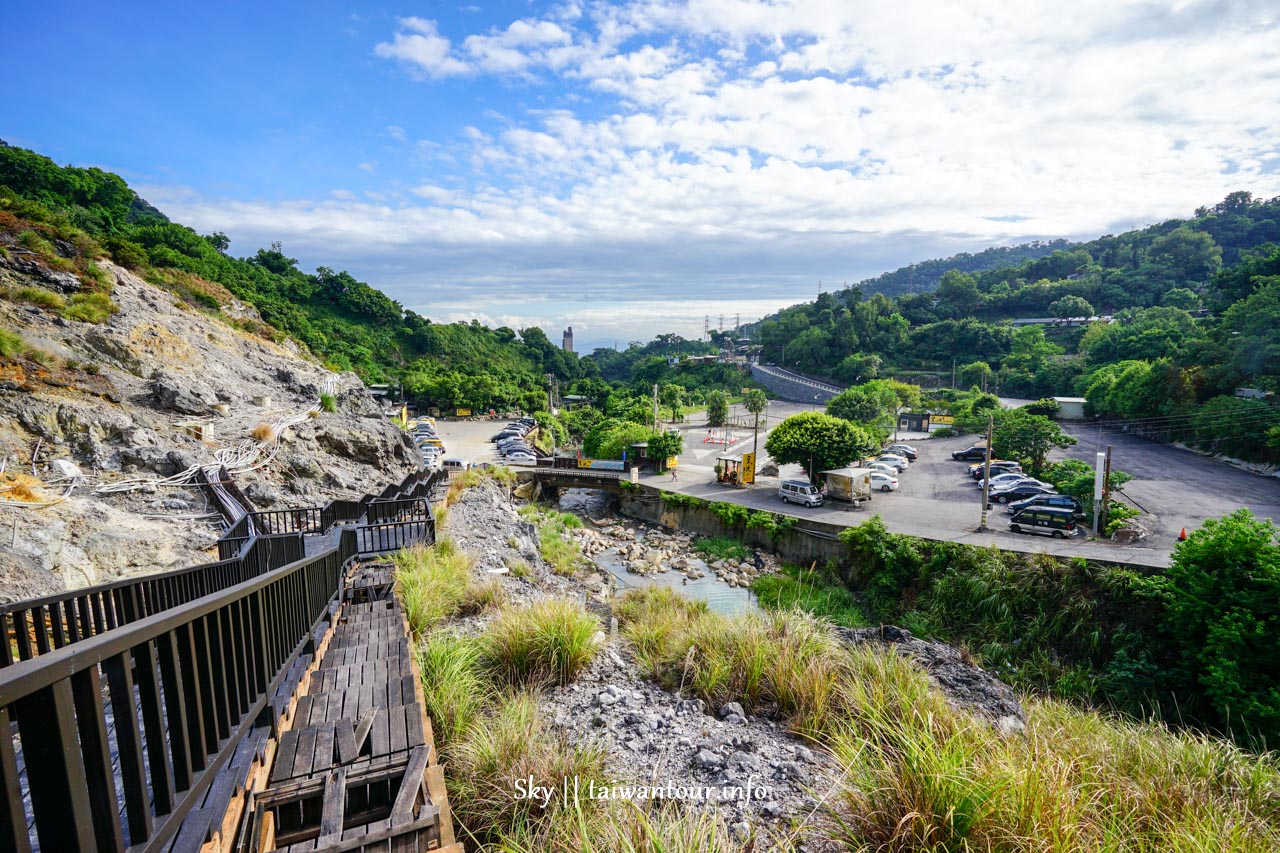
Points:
(789, 386)
(803, 544)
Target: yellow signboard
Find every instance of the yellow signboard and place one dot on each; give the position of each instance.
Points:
(464, 413)
(941, 419)
(748, 467)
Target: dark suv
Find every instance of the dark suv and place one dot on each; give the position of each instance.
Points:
(1056, 501)
(978, 451)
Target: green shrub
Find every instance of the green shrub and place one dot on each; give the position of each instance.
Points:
(90, 308)
(817, 591)
(720, 548)
(1220, 620)
(126, 253)
(549, 641)
(328, 402)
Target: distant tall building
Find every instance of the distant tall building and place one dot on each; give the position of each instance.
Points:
(566, 341)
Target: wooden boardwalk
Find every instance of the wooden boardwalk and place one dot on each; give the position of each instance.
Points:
(353, 765)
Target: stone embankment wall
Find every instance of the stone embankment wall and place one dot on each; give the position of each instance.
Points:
(789, 386)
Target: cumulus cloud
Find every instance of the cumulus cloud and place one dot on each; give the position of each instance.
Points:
(420, 46)
(677, 147)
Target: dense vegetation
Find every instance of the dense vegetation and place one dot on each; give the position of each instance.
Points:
(68, 216)
(1193, 644)
(918, 773)
(1193, 309)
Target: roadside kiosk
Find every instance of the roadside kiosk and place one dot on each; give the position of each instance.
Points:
(729, 470)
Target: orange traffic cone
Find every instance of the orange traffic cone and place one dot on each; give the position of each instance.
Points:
(1182, 537)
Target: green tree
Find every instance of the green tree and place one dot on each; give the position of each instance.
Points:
(818, 442)
(717, 408)
(755, 401)
(1190, 255)
(1028, 438)
(858, 404)
(1071, 306)
(1222, 616)
(1181, 297)
(958, 294)
(665, 445)
(673, 397)
(975, 373)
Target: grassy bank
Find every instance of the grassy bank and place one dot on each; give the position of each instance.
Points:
(481, 692)
(920, 775)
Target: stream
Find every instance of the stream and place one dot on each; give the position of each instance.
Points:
(720, 596)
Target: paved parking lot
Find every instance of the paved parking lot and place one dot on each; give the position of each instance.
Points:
(937, 499)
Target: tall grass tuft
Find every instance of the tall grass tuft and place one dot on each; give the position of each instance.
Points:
(549, 641)
(90, 308)
(625, 827)
(514, 743)
(454, 686)
(10, 344)
(432, 583)
(559, 552)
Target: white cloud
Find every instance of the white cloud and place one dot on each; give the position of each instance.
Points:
(420, 46)
(685, 148)
(397, 133)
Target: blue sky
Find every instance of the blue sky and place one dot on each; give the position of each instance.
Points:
(631, 167)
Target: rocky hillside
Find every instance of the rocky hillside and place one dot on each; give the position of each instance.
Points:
(95, 415)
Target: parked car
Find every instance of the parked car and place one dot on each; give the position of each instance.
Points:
(884, 482)
(1020, 492)
(1001, 481)
(998, 466)
(904, 450)
(899, 462)
(1054, 521)
(523, 460)
(799, 492)
(1057, 501)
(978, 451)
(455, 464)
(883, 467)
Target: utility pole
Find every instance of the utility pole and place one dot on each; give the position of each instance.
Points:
(655, 407)
(986, 478)
(1106, 485)
(1099, 467)
(953, 374)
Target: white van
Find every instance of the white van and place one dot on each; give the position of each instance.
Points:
(456, 464)
(799, 492)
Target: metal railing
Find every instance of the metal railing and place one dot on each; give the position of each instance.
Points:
(168, 696)
(120, 703)
(36, 627)
(247, 549)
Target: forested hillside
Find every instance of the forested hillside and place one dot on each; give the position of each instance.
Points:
(67, 216)
(925, 275)
(1161, 324)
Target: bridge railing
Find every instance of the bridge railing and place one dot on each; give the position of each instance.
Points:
(149, 712)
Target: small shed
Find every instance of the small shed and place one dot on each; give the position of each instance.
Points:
(1070, 408)
(848, 484)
